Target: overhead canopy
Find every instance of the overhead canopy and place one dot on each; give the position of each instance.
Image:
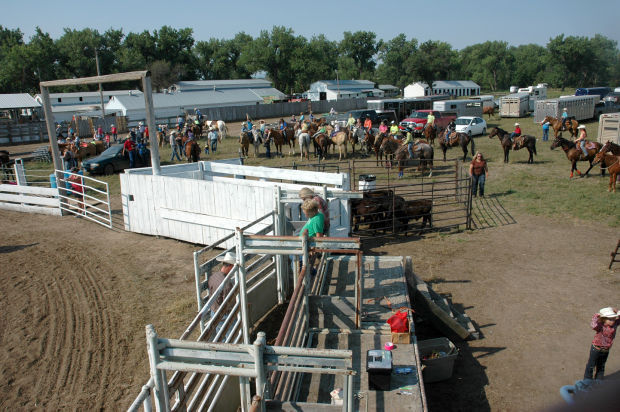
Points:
(17, 101)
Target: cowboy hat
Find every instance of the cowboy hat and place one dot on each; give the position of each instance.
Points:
(565, 109)
(581, 126)
(306, 192)
(517, 124)
(229, 257)
(608, 313)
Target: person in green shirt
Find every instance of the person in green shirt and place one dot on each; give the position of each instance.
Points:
(316, 220)
(409, 142)
(394, 130)
(350, 121)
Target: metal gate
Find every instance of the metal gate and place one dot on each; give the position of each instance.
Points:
(85, 197)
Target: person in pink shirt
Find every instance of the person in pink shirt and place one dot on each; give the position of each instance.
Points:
(605, 323)
(383, 129)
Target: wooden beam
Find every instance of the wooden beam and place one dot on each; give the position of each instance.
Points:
(108, 78)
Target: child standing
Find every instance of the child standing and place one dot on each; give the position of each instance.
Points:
(605, 323)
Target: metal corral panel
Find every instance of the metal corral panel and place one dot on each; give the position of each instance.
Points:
(514, 105)
(609, 128)
(581, 107)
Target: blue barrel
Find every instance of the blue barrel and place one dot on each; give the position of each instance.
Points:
(53, 184)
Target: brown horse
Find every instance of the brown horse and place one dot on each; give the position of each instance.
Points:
(612, 164)
(389, 146)
(192, 151)
(504, 139)
(529, 142)
(489, 110)
(161, 138)
(376, 146)
(574, 154)
(430, 133)
(321, 145)
(557, 125)
(421, 150)
(279, 140)
(87, 149)
(457, 139)
(244, 143)
(340, 140)
(611, 147)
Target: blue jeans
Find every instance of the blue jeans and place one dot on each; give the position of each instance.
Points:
(410, 149)
(582, 145)
(175, 152)
(478, 182)
(513, 135)
(132, 159)
(545, 135)
(213, 145)
(597, 359)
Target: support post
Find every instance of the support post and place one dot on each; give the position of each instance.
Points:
(150, 122)
(198, 288)
(161, 403)
(359, 286)
(244, 383)
(277, 230)
(261, 378)
(304, 248)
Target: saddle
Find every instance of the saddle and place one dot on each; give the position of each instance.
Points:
(590, 145)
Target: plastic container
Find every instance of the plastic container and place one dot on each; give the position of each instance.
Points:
(379, 368)
(437, 369)
(367, 182)
(53, 181)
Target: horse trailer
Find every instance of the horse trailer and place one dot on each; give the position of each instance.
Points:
(538, 92)
(609, 128)
(469, 107)
(579, 107)
(488, 100)
(514, 105)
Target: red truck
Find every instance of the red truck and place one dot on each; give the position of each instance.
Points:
(417, 120)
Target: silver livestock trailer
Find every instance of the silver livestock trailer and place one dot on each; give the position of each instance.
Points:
(514, 105)
(609, 128)
(580, 107)
(467, 107)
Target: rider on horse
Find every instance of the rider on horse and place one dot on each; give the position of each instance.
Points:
(394, 130)
(409, 141)
(350, 122)
(449, 130)
(516, 133)
(581, 140)
(564, 118)
(383, 129)
(430, 121)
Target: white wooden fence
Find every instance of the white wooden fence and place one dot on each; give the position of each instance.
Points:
(205, 201)
(17, 194)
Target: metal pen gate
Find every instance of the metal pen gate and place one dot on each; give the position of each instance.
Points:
(85, 197)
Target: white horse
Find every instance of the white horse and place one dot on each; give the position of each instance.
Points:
(221, 127)
(257, 140)
(304, 144)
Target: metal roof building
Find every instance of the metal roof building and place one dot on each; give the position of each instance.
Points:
(194, 85)
(18, 101)
(451, 87)
(343, 89)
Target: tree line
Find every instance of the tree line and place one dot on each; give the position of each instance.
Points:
(292, 61)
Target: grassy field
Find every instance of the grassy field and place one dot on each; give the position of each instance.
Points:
(543, 188)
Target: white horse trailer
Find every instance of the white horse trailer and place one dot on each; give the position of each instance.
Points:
(579, 107)
(538, 92)
(468, 107)
(514, 105)
(609, 128)
(488, 100)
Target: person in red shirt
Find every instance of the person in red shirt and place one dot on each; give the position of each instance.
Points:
(479, 172)
(130, 147)
(368, 124)
(114, 133)
(605, 323)
(77, 188)
(517, 131)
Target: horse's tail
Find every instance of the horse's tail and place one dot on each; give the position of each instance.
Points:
(534, 147)
(473, 146)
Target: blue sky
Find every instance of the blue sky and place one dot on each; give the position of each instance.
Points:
(460, 23)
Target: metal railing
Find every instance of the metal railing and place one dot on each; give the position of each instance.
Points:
(91, 197)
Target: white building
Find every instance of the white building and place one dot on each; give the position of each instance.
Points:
(454, 88)
(389, 90)
(66, 105)
(18, 105)
(342, 89)
(260, 87)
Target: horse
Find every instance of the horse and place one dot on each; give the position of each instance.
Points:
(278, 139)
(612, 164)
(256, 141)
(389, 146)
(87, 149)
(289, 137)
(557, 125)
(421, 150)
(192, 151)
(430, 133)
(357, 136)
(219, 124)
(244, 143)
(611, 147)
(574, 154)
(161, 138)
(4, 157)
(490, 110)
(368, 142)
(321, 145)
(340, 140)
(504, 139)
(529, 142)
(458, 139)
(304, 144)
(376, 146)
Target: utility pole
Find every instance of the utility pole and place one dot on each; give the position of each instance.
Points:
(338, 83)
(100, 89)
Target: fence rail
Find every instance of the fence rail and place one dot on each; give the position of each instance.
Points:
(85, 196)
(22, 133)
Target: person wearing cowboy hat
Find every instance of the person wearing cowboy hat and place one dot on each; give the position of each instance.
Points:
(308, 194)
(215, 279)
(564, 118)
(114, 133)
(517, 131)
(409, 141)
(174, 145)
(605, 323)
(212, 137)
(580, 141)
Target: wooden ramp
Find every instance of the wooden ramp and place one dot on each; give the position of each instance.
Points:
(332, 327)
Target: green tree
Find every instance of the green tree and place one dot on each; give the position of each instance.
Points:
(395, 66)
(530, 62)
(568, 57)
(218, 59)
(360, 48)
(488, 64)
(316, 60)
(434, 60)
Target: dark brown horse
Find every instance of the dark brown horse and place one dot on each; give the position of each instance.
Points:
(612, 164)
(528, 142)
(557, 125)
(244, 143)
(192, 151)
(457, 139)
(376, 146)
(504, 139)
(489, 110)
(574, 154)
(389, 147)
(421, 150)
(321, 145)
(279, 139)
(611, 147)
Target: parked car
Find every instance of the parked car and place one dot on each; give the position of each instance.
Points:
(113, 160)
(417, 120)
(471, 125)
